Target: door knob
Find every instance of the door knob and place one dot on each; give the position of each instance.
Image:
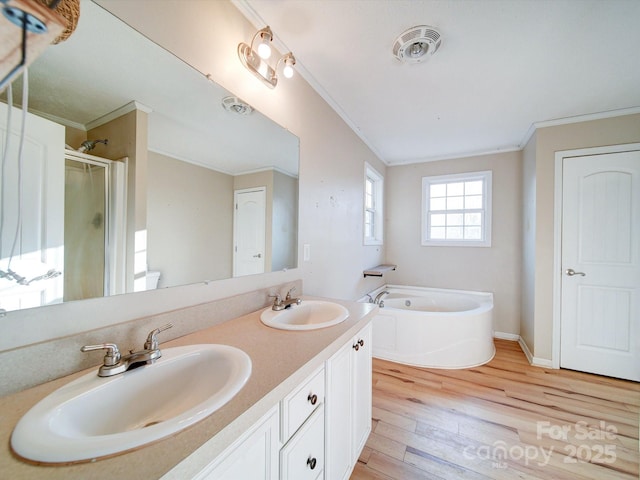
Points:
(571, 272)
(257, 255)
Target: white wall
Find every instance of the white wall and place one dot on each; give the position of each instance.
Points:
(540, 280)
(284, 248)
(189, 221)
(527, 325)
(494, 269)
(206, 35)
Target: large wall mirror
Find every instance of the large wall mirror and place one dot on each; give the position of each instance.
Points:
(140, 173)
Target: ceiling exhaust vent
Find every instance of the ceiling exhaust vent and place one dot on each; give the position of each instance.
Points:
(417, 44)
(235, 105)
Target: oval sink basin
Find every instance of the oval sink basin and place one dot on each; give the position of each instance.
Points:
(309, 315)
(92, 417)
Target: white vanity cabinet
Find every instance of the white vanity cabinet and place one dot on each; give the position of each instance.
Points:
(317, 431)
(253, 456)
(302, 458)
(287, 443)
(302, 430)
(348, 405)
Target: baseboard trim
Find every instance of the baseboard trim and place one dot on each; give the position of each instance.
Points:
(506, 336)
(534, 361)
(525, 349)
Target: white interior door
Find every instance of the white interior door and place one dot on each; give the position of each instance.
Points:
(34, 259)
(249, 228)
(600, 306)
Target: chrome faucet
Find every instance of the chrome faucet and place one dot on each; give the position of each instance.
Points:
(279, 304)
(378, 299)
(114, 363)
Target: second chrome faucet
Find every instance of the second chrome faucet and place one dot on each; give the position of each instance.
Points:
(280, 304)
(115, 363)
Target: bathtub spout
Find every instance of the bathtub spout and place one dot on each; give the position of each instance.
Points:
(378, 299)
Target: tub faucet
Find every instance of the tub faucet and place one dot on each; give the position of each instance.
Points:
(114, 363)
(378, 299)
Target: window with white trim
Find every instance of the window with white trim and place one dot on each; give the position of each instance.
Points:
(373, 202)
(456, 210)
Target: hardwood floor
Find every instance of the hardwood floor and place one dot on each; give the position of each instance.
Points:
(504, 420)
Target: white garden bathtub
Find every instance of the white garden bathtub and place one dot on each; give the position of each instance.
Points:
(433, 328)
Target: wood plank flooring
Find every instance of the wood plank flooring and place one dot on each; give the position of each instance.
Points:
(504, 420)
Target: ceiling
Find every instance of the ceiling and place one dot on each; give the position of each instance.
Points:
(503, 66)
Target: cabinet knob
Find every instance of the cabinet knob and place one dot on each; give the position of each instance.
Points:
(313, 398)
(311, 463)
(356, 347)
(361, 342)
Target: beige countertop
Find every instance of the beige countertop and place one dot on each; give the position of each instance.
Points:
(280, 360)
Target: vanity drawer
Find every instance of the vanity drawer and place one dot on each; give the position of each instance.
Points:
(300, 403)
(303, 457)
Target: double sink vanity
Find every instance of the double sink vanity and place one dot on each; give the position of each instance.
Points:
(279, 393)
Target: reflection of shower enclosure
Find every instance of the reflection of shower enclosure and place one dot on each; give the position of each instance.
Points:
(85, 213)
(93, 227)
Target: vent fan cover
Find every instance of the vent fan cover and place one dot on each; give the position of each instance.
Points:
(235, 105)
(417, 44)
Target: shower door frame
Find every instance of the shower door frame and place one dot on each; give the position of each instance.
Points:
(115, 218)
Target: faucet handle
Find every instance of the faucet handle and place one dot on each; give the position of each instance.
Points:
(288, 297)
(152, 338)
(278, 299)
(112, 357)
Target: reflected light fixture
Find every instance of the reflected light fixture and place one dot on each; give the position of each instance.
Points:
(254, 57)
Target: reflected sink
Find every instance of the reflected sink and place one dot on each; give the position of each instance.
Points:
(92, 417)
(309, 315)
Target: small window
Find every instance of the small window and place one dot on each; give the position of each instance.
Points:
(456, 210)
(373, 201)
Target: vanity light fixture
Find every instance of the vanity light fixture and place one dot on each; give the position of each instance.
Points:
(254, 57)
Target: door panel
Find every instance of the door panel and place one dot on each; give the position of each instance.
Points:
(37, 212)
(249, 231)
(600, 310)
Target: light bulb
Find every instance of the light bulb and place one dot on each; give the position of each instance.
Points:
(289, 62)
(264, 50)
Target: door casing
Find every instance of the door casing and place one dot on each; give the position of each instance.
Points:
(557, 233)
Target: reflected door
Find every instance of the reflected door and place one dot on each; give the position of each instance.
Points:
(600, 311)
(31, 203)
(249, 228)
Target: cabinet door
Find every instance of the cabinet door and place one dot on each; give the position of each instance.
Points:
(338, 401)
(254, 456)
(303, 457)
(361, 383)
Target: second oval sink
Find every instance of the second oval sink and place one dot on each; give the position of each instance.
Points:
(92, 416)
(309, 315)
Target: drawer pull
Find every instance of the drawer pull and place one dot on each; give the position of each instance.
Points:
(311, 463)
(313, 398)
